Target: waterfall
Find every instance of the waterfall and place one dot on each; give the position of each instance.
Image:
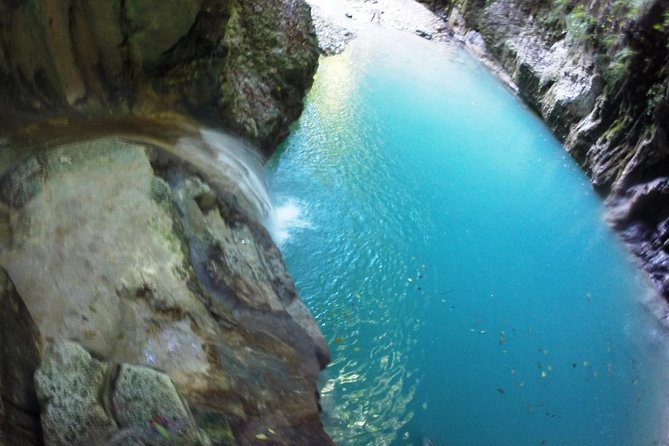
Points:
(239, 164)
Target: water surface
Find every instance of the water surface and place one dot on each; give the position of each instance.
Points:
(458, 263)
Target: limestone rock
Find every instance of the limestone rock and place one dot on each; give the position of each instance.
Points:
(142, 251)
(69, 385)
(20, 352)
(244, 64)
(87, 401)
(272, 57)
(144, 398)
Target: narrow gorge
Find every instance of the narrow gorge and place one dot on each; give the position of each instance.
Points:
(597, 73)
(183, 183)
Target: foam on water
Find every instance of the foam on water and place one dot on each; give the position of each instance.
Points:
(285, 220)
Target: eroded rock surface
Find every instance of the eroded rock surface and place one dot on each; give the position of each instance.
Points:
(243, 64)
(143, 259)
(87, 401)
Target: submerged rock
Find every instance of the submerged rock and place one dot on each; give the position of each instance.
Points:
(146, 260)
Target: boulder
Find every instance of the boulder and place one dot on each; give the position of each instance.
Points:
(70, 385)
(144, 253)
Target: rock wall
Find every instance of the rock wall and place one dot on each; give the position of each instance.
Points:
(141, 301)
(143, 254)
(597, 72)
(238, 63)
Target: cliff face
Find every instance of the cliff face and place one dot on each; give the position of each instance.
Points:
(597, 72)
(246, 64)
(142, 300)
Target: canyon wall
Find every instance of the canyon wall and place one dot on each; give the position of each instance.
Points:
(597, 72)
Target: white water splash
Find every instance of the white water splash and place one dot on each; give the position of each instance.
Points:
(283, 221)
(240, 162)
(241, 167)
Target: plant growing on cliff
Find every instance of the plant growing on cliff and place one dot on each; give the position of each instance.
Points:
(663, 26)
(618, 68)
(581, 25)
(554, 18)
(655, 96)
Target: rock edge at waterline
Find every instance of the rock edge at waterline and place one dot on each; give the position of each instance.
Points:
(139, 257)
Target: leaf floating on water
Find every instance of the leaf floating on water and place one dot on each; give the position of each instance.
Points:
(549, 367)
(271, 431)
(356, 349)
(586, 364)
(261, 436)
(338, 340)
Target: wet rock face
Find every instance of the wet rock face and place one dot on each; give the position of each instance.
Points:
(245, 64)
(126, 251)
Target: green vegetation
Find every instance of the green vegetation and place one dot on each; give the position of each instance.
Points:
(664, 25)
(655, 96)
(618, 67)
(581, 25)
(598, 26)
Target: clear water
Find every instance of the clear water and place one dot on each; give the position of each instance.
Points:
(458, 263)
